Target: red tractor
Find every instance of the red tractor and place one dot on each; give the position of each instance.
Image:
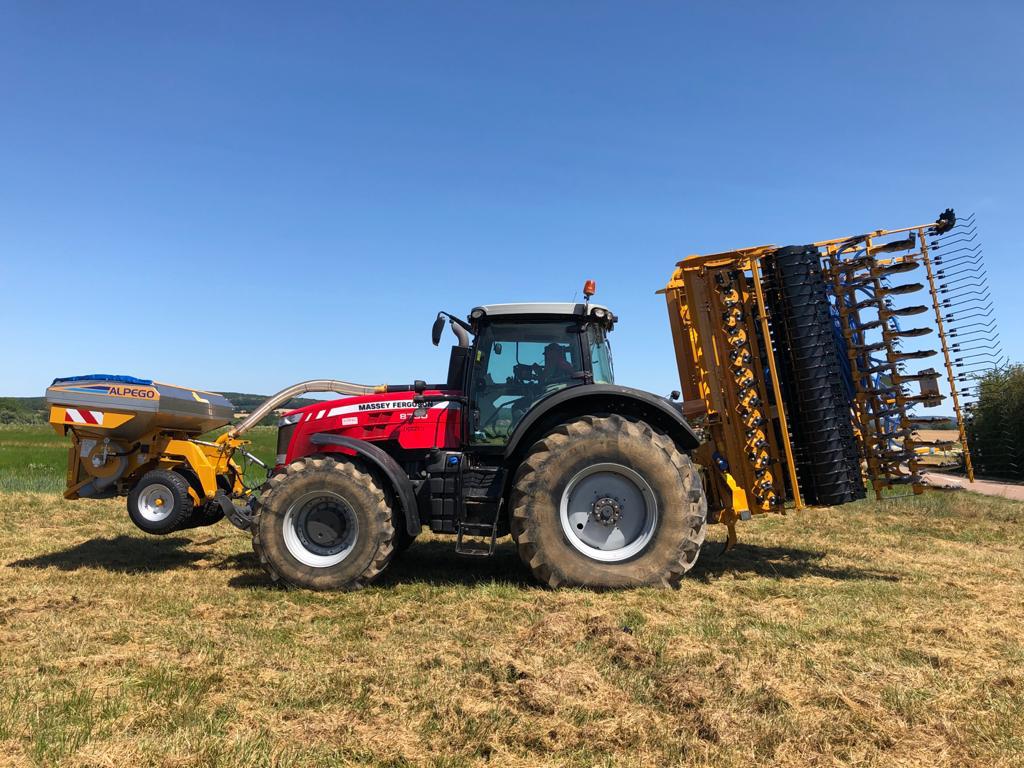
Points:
(529, 436)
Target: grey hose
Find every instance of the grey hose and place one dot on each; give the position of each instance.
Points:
(461, 333)
(314, 385)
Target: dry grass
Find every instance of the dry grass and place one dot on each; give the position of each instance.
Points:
(881, 634)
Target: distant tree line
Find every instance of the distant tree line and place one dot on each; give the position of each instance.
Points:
(995, 425)
(22, 410)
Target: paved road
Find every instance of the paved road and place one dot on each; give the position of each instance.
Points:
(987, 487)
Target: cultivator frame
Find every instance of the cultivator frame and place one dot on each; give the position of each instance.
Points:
(792, 362)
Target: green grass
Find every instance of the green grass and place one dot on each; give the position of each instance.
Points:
(32, 458)
(877, 634)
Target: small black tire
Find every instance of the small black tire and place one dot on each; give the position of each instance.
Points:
(160, 502)
(208, 514)
(667, 508)
(323, 524)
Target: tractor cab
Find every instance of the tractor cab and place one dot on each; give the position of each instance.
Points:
(526, 352)
(521, 354)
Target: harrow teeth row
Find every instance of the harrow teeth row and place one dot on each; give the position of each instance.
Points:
(859, 271)
(964, 301)
(868, 317)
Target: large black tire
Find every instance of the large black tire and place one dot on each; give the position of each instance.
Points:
(559, 459)
(825, 448)
(160, 503)
(334, 498)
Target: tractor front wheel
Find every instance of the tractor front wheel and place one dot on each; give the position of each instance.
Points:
(608, 502)
(323, 524)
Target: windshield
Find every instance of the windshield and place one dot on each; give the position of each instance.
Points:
(516, 365)
(600, 355)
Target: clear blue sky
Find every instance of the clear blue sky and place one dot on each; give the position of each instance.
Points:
(240, 196)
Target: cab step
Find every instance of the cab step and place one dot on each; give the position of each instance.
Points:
(477, 539)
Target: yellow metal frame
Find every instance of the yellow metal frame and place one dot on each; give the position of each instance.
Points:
(703, 341)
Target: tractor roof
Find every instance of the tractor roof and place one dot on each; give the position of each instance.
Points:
(543, 309)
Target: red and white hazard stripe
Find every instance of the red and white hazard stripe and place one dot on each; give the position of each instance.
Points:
(82, 416)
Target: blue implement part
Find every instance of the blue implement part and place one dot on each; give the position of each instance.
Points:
(104, 377)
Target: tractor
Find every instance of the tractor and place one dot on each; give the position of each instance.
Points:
(528, 436)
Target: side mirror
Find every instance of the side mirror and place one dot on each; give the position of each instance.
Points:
(437, 330)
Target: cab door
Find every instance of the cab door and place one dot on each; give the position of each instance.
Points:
(514, 366)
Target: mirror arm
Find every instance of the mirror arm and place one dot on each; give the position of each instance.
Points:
(458, 321)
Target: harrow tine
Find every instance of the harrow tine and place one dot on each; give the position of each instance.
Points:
(968, 254)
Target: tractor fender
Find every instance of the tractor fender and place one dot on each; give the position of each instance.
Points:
(585, 399)
(390, 468)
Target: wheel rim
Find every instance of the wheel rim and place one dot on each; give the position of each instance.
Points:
(156, 502)
(320, 529)
(608, 512)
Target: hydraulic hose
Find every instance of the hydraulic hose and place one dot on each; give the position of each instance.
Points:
(314, 385)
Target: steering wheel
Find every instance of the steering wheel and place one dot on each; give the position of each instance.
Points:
(497, 412)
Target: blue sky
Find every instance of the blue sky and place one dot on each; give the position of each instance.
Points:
(242, 196)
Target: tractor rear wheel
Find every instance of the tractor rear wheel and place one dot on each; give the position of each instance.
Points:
(608, 502)
(323, 524)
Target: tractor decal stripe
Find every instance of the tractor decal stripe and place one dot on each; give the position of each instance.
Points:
(385, 405)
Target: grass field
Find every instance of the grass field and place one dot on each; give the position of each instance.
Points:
(887, 634)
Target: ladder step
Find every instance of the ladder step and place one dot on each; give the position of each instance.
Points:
(485, 535)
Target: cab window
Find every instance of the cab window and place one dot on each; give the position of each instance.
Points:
(600, 355)
(515, 366)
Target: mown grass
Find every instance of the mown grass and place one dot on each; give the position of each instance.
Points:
(876, 634)
(872, 635)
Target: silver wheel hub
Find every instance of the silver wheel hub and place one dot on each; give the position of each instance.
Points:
(608, 512)
(156, 502)
(320, 529)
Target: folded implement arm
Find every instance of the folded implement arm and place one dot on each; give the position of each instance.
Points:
(803, 368)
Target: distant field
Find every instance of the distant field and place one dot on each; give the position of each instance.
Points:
(942, 457)
(879, 634)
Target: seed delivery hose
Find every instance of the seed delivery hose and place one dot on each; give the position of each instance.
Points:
(314, 385)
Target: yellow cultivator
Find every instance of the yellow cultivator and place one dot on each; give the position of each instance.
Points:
(803, 368)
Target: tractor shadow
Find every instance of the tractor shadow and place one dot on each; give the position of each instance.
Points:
(132, 554)
(436, 563)
(775, 563)
(433, 563)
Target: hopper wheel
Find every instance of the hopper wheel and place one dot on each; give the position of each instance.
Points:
(160, 503)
